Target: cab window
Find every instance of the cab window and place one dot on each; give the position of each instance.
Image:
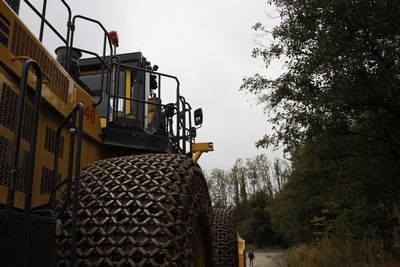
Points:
(92, 83)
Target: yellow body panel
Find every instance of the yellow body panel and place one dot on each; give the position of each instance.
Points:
(203, 147)
(199, 148)
(60, 94)
(196, 156)
(128, 92)
(242, 251)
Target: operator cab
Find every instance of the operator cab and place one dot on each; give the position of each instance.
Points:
(129, 99)
(94, 80)
(127, 91)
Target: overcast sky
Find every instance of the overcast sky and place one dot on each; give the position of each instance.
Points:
(207, 44)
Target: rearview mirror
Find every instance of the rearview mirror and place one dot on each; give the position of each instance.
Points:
(198, 116)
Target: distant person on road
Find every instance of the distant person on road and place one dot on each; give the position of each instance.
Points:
(251, 257)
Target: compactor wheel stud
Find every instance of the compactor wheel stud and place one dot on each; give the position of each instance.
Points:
(226, 247)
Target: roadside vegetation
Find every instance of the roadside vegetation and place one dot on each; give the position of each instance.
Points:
(348, 253)
(335, 111)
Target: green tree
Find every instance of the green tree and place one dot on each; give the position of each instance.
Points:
(235, 178)
(238, 174)
(264, 173)
(342, 64)
(240, 171)
(257, 228)
(280, 173)
(252, 176)
(336, 110)
(219, 188)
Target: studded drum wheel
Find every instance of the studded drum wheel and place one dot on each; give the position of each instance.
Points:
(141, 210)
(226, 247)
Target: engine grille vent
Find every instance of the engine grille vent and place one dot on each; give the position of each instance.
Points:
(45, 184)
(5, 153)
(23, 45)
(50, 142)
(5, 156)
(5, 27)
(8, 110)
(8, 104)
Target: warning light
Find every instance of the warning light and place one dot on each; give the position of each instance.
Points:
(114, 38)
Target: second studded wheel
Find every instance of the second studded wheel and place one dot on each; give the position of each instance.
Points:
(142, 210)
(226, 247)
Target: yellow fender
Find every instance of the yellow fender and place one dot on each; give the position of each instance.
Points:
(199, 148)
(241, 250)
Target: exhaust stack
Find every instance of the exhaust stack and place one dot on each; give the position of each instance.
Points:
(73, 63)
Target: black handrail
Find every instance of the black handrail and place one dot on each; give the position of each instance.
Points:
(115, 61)
(183, 133)
(55, 185)
(187, 135)
(44, 20)
(32, 150)
(191, 138)
(182, 117)
(160, 74)
(17, 141)
(104, 66)
(77, 129)
(106, 38)
(69, 21)
(142, 101)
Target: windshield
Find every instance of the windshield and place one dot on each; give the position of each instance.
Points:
(92, 82)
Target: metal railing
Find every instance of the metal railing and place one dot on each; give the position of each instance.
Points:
(17, 141)
(69, 39)
(32, 152)
(109, 64)
(181, 137)
(76, 129)
(106, 39)
(42, 16)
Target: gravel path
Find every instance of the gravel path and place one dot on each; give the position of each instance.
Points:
(263, 258)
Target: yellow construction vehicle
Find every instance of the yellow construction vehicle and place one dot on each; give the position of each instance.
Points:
(94, 168)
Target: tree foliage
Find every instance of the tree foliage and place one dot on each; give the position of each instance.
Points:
(342, 71)
(219, 188)
(336, 111)
(249, 189)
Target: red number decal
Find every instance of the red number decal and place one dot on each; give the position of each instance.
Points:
(86, 113)
(90, 114)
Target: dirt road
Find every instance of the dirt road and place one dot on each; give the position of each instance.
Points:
(267, 258)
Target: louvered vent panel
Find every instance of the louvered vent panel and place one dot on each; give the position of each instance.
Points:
(23, 45)
(5, 149)
(8, 104)
(5, 158)
(45, 184)
(8, 110)
(20, 181)
(50, 142)
(27, 123)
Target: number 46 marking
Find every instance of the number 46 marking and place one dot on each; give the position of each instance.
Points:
(90, 114)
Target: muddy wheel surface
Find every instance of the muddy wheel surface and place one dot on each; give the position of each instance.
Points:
(141, 210)
(225, 230)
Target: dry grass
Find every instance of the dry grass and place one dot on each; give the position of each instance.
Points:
(277, 261)
(328, 253)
